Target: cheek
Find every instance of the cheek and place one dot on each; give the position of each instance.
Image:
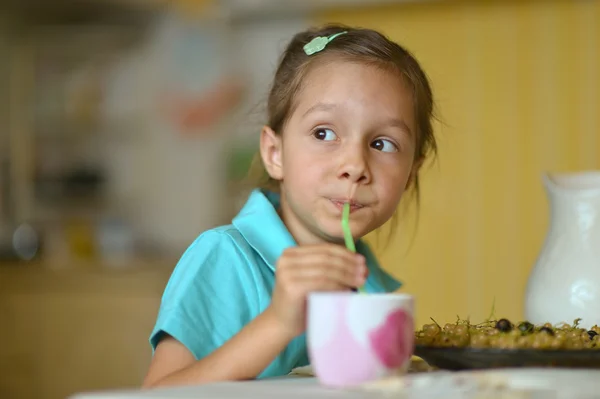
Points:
(394, 180)
(304, 168)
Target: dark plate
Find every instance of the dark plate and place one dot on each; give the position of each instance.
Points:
(486, 358)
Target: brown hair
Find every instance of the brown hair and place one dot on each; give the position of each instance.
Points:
(357, 45)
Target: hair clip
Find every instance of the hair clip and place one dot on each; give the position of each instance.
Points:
(318, 43)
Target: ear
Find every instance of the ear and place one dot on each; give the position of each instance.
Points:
(271, 152)
(414, 172)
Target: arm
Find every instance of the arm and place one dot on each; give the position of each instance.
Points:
(244, 356)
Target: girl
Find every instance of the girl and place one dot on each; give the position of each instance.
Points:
(348, 108)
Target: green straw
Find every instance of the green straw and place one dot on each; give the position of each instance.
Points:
(346, 227)
(347, 233)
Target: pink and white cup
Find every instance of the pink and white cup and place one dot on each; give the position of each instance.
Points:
(357, 338)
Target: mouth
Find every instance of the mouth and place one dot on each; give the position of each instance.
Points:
(339, 204)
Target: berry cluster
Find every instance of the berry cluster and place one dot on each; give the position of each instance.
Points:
(503, 334)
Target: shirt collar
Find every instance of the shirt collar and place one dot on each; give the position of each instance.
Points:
(260, 225)
(379, 280)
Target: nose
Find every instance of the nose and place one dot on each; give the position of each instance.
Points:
(354, 165)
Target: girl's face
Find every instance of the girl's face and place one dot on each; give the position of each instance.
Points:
(353, 124)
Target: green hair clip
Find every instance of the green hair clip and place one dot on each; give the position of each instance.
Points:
(319, 43)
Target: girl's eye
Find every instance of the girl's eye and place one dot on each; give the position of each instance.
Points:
(384, 145)
(324, 134)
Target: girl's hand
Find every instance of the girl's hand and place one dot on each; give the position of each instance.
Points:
(303, 269)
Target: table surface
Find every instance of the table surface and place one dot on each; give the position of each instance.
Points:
(288, 387)
(491, 384)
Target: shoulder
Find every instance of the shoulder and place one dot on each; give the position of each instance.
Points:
(224, 240)
(219, 249)
(212, 293)
(220, 255)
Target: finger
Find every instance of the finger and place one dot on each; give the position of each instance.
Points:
(326, 249)
(353, 266)
(316, 285)
(313, 268)
(332, 256)
(327, 257)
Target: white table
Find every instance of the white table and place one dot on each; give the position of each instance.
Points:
(288, 388)
(493, 384)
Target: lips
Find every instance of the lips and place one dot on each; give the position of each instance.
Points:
(339, 203)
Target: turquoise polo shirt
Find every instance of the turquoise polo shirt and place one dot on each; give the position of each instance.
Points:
(225, 279)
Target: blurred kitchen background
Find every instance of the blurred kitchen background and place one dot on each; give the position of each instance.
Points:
(127, 127)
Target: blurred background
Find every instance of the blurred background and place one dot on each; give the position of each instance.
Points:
(127, 127)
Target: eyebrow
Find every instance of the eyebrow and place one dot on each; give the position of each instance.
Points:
(399, 123)
(320, 107)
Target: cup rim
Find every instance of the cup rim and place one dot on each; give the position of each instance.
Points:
(378, 295)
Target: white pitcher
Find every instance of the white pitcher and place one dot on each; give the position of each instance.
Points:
(565, 282)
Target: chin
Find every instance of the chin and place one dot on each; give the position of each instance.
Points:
(335, 233)
(329, 232)
(332, 236)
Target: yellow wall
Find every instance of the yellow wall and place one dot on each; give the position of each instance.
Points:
(518, 89)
